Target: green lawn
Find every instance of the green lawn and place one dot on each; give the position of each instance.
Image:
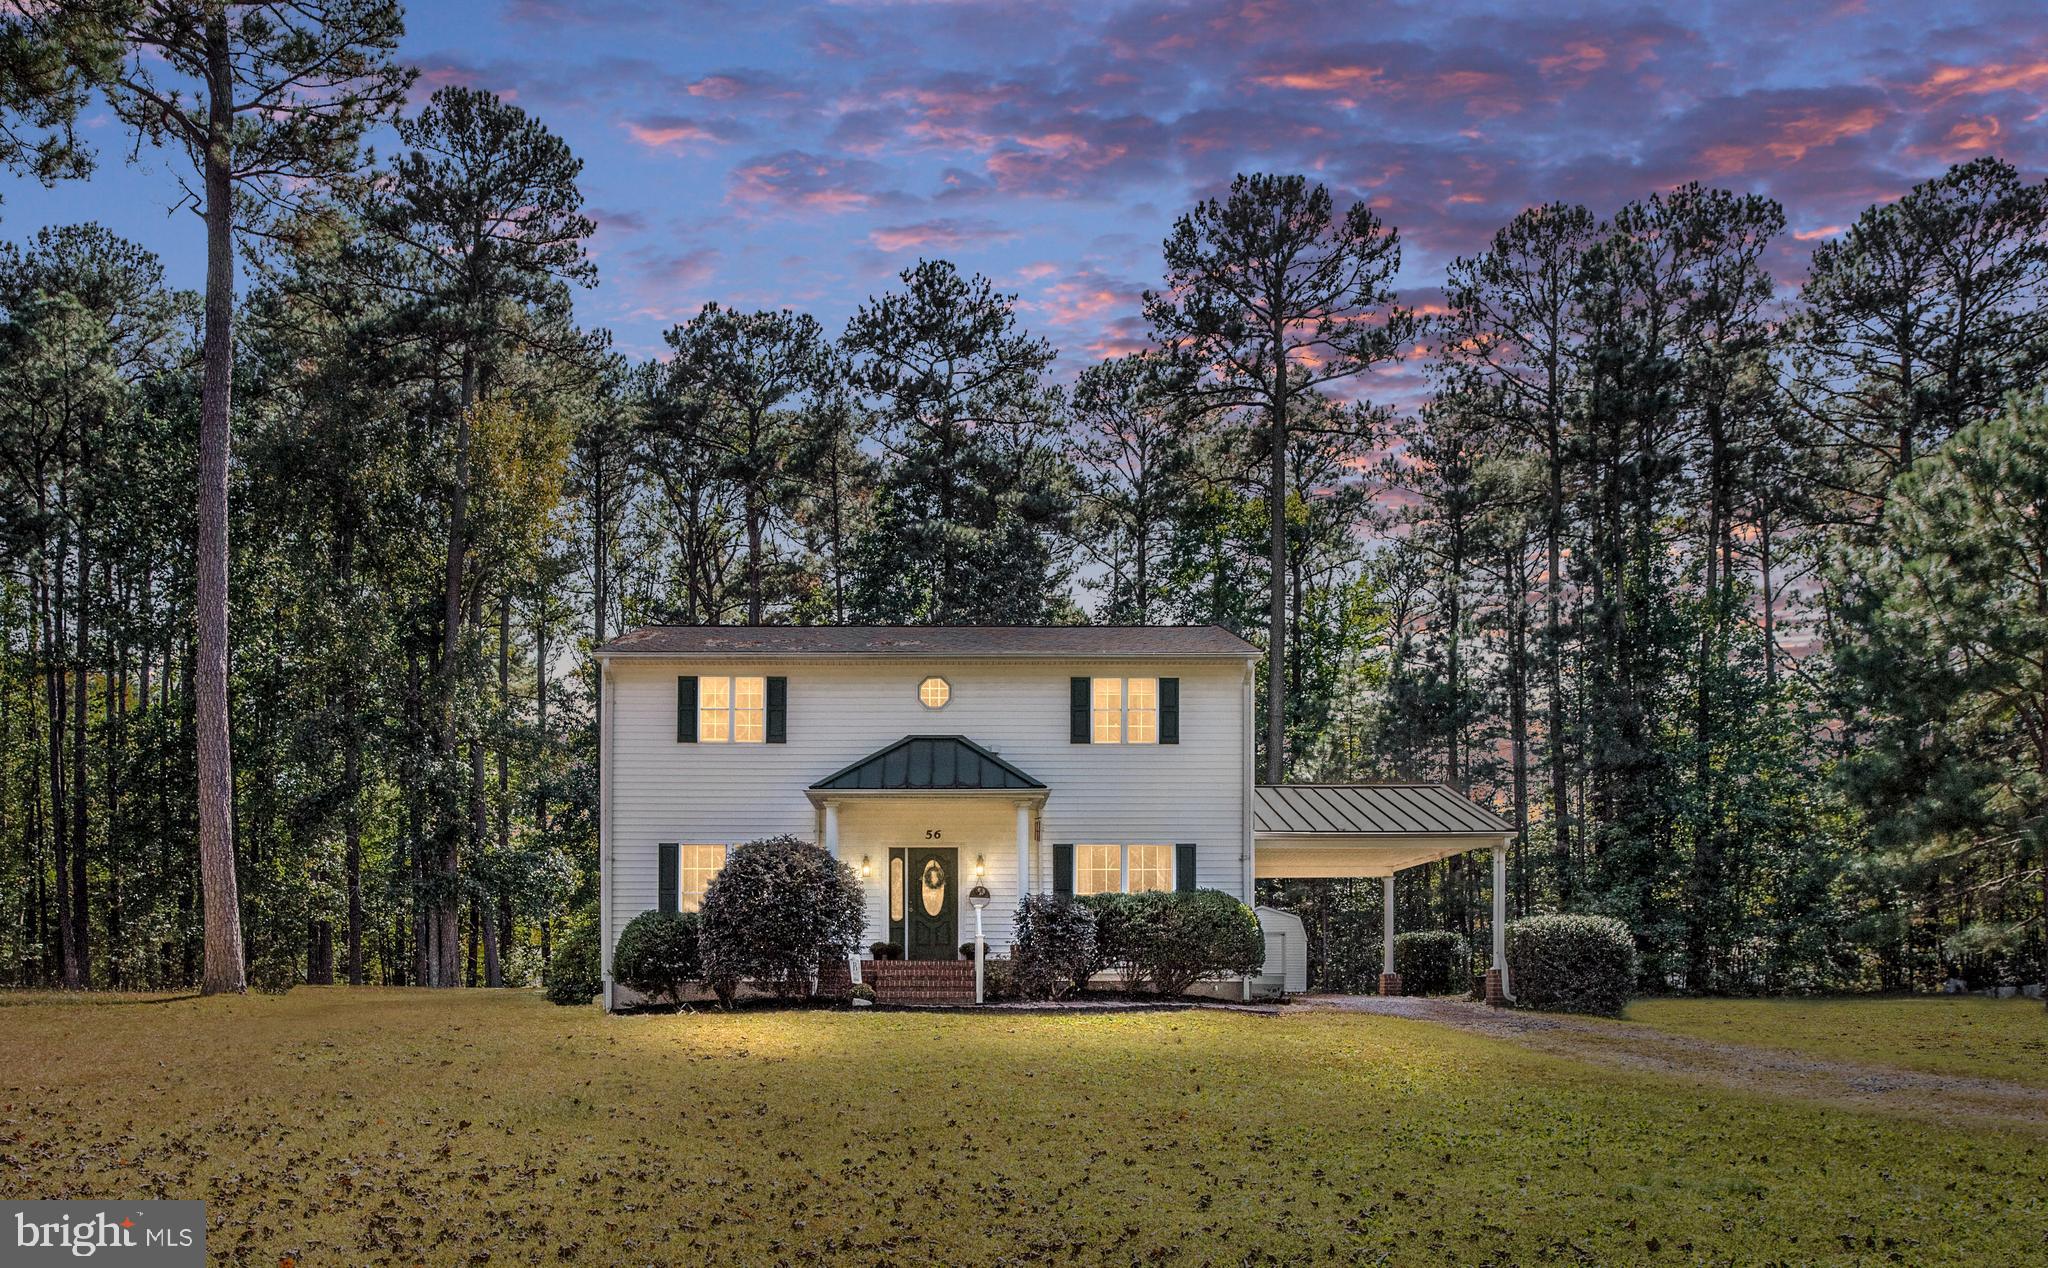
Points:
(1964, 1035)
(404, 1127)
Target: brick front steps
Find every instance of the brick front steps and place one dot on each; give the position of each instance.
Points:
(920, 981)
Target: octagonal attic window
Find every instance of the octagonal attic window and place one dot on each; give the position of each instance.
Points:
(933, 693)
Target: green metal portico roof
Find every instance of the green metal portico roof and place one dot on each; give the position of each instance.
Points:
(940, 763)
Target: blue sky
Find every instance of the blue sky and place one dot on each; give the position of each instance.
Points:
(801, 154)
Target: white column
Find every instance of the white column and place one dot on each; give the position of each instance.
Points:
(1023, 850)
(1500, 916)
(832, 828)
(1387, 924)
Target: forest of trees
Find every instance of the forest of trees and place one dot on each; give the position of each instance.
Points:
(1729, 595)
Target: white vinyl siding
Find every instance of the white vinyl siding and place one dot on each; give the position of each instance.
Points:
(843, 708)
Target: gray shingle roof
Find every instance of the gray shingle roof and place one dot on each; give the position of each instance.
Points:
(1369, 810)
(930, 640)
(942, 762)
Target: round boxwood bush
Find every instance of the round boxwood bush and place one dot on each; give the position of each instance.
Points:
(1433, 962)
(1571, 964)
(574, 971)
(1054, 949)
(657, 955)
(778, 909)
(1183, 936)
(1118, 918)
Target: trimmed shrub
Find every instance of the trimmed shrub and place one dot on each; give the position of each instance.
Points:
(657, 955)
(1434, 962)
(575, 971)
(1186, 935)
(1055, 949)
(778, 909)
(863, 992)
(967, 950)
(999, 980)
(1118, 930)
(885, 950)
(1572, 964)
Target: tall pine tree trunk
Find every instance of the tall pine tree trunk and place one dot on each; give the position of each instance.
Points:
(1276, 617)
(225, 970)
(444, 918)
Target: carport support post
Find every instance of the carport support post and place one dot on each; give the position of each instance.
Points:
(1390, 981)
(1497, 991)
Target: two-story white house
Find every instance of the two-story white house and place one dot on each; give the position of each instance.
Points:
(1066, 759)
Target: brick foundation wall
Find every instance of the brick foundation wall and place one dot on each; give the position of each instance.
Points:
(920, 981)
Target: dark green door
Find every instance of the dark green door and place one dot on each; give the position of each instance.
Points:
(933, 907)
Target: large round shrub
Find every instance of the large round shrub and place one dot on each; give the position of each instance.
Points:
(574, 971)
(1571, 964)
(1186, 935)
(1054, 951)
(657, 955)
(1118, 921)
(778, 909)
(1433, 962)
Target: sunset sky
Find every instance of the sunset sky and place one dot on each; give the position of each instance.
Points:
(800, 155)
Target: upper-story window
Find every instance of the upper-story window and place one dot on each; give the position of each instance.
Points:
(934, 692)
(1125, 711)
(732, 710)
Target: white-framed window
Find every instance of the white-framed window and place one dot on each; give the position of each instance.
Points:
(732, 710)
(1150, 867)
(1127, 869)
(1124, 710)
(934, 692)
(699, 863)
(1098, 869)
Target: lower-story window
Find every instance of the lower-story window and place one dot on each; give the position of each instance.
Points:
(1107, 869)
(699, 864)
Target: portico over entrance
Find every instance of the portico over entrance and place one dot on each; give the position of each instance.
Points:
(1364, 830)
(922, 821)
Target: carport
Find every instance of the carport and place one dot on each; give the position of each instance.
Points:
(1362, 830)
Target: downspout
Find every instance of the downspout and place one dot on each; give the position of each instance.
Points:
(609, 712)
(1247, 861)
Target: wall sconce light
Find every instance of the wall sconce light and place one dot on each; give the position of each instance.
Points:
(867, 866)
(980, 867)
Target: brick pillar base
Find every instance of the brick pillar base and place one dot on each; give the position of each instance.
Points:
(1496, 993)
(1390, 983)
(835, 979)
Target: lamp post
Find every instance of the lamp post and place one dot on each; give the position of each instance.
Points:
(978, 899)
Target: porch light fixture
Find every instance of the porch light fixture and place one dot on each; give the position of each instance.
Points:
(867, 866)
(980, 869)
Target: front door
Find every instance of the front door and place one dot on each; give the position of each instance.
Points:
(932, 913)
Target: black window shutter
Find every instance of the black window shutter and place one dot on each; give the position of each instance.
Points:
(1183, 867)
(1063, 869)
(670, 876)
(1079, 702)
(1169, 710)
(778, 710)
(686, 709)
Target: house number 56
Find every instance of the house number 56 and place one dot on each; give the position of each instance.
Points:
(932, 834)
